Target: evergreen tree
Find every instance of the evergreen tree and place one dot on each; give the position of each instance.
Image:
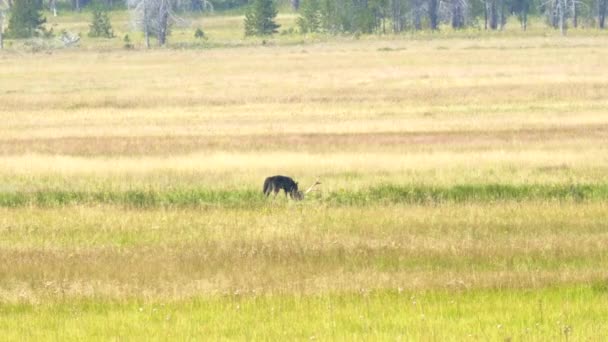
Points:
(259, 19)
(25, 20)
(310, 20)
(328, 16)
(354, 16)
(100, 24)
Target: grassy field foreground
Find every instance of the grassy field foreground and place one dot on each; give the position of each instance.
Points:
(484, 271)
(464, 191)
(551, 314)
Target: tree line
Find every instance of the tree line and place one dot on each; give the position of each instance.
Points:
(155, 17)
(382, 16)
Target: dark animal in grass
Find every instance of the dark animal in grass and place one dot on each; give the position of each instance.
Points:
(289, 186)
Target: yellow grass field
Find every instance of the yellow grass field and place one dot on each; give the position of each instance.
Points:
(464, 190)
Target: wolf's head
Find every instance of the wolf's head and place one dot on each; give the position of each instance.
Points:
(299, 195)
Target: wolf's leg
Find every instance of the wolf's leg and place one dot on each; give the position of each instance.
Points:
(269, 190)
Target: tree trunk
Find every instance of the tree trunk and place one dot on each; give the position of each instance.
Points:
(503, 18)
(146, 24)
(163, 19)
(396, 15)
(524, 14)
(601, 13)
(574, 14)
(485, 14)
(562, 18)
(53, 5)
(493, 15)
(295, 4)
(433, 14)
(457, 14)
(1, 30)
(555, 14)
(417, 15)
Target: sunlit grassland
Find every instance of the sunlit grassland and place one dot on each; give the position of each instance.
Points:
(551, 314)
(464, 190)
(512, 111)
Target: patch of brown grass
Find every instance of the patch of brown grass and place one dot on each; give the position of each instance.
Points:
(306, 142)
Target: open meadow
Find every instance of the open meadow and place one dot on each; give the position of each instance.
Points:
(464, 191)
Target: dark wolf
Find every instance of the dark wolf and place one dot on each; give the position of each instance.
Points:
(276, 183)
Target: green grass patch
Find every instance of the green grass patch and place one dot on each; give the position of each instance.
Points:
(383, 194)
(571, 313)
(386, 194)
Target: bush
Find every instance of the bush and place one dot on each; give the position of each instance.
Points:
(100, 25)
(199, 34)
(127, 42)
(259, 19)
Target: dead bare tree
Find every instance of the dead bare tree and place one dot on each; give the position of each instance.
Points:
(458, 9)
(396, 9)
(602, 9)
(433, 11)
(558, 11)
(522, 7)
(154, 18)
(492, 9)
(573, 8)
(162, 26)
(4, 7)
(146, 24)
(485, 14)
(1, 30)
(417, 11)
(53, 7)
(494, 14)
(561, 10)
(192, 5)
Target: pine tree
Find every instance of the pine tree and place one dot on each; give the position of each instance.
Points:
(100, 25)
(310, 20)
(25, 20)
(259, 19)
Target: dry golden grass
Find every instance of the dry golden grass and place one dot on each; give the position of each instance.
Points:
(547, 138)
(120, 254)
(315, 75)
(499, 110)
